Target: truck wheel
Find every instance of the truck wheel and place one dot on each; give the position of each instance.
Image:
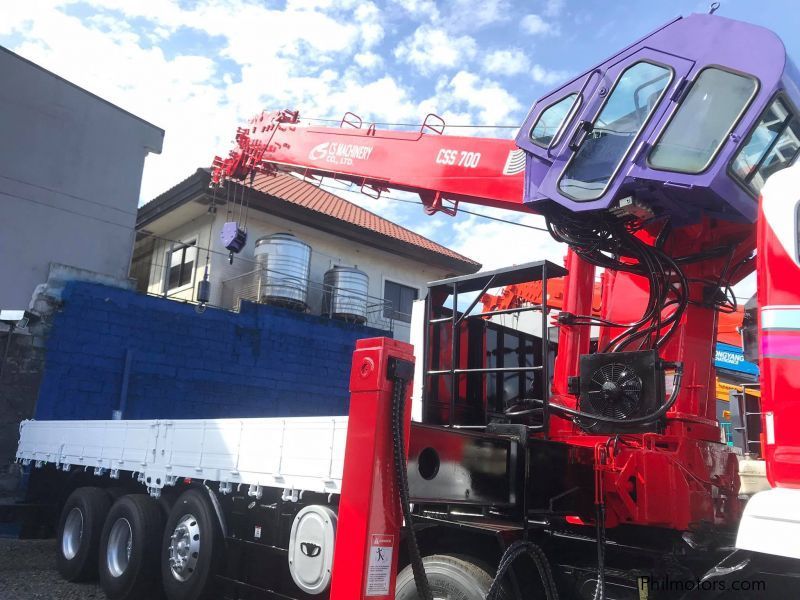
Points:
(129, 548)
(79, 531)
(191, 549)
(450, 578)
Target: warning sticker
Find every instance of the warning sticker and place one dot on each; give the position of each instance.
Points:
(379, 572)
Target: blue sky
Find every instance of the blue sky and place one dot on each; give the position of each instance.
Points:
(197, 69)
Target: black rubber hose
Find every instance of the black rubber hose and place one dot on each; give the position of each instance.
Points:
(401, 475)
(512, 553)
(600, 590)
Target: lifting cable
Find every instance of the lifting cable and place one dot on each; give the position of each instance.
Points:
(212, 210)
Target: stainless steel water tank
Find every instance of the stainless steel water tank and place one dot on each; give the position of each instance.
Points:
(283, 264)
(345, 295)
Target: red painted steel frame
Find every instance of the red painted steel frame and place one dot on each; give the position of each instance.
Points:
(483, 170)
(369, 507)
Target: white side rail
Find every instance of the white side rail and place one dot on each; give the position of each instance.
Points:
(293, 454)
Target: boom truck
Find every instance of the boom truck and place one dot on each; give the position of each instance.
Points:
(606, 480)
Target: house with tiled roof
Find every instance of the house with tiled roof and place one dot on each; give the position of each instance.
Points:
(178, 238)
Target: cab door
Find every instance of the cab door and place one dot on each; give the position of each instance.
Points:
(620, 104)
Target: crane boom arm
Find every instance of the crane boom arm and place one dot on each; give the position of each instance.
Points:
(442, 169)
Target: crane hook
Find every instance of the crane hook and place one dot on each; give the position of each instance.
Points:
(714, 7)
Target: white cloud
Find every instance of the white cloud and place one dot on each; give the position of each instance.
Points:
(320, 4)
(495, 104)
(368, 60)
(495, 244)
(536, 25)
(418, 8)
(546, 76)
(470, 15)
(430, 49)
(553, 8)
(511, 61)
(369, 17)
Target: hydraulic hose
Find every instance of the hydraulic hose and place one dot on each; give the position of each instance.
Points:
(539, 559)
(600, 590)
(401, 475)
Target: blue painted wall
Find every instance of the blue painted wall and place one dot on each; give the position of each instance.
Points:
(264, 361)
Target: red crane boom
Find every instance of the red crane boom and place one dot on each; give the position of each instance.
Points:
(442, 169)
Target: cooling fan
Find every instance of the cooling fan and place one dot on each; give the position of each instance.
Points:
(615, 391)
(620, 385)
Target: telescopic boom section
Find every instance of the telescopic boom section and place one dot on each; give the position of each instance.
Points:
(444, 170)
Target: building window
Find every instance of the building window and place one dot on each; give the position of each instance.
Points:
(181, 265)
(399, 299)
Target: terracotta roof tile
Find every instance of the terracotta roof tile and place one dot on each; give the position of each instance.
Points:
(296, 191)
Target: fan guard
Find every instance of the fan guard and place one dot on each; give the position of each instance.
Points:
(615, 391)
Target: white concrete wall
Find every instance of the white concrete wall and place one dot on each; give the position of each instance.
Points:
(326, 251)
(70, 172)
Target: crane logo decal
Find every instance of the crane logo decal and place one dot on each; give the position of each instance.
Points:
(318, 152)
(340, 154)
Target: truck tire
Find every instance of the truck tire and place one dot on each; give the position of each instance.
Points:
(79, 529)
(192, 548)
(130, 549)
(450, 578)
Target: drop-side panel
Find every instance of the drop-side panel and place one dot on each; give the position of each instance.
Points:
(305, 453)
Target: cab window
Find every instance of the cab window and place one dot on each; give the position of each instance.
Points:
(551, 120)
(771, 146)
(707, 115)
(626, 111)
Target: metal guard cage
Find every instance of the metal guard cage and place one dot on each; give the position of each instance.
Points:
(439, 366)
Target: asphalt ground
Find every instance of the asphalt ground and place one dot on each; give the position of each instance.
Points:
(28, 572)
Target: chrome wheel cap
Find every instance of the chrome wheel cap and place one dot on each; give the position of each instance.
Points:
(184, 547)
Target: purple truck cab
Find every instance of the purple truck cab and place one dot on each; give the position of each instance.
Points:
(689, 121)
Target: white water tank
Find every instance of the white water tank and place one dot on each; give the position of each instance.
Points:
(345, 295)
(283, 264)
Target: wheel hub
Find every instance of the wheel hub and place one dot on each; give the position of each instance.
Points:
(73, 532)
(120, 545)
(184, 547)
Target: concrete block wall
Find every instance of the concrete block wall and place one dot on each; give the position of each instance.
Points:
(261, 362)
